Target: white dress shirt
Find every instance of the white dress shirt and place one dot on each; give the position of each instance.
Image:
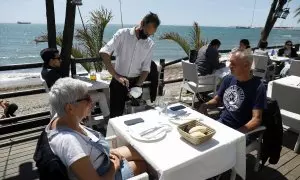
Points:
(132, 55)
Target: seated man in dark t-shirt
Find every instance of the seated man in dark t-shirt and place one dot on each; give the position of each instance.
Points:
(51, 69)
(243, 96)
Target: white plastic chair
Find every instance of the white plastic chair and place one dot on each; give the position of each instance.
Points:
(194, 83)
(256, 144)
(295, 68)
(260, 65)
(288, 100)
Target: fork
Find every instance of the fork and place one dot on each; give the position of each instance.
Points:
(150, 130)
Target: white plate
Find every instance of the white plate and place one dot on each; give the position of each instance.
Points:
(152, 136)
(156, 138)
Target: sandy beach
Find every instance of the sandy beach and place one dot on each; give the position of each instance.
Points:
(39, 102)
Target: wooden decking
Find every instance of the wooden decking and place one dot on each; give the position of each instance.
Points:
(16, 159)
(288, 167)
(16, 162)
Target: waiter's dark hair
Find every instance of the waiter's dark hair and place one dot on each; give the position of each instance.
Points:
(151, 18)
(245, 42)
(215, 42)
(263, 44)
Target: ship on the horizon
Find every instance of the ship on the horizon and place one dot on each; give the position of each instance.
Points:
(251, 24)
(243, 27)
(287, 28)
(23, 22)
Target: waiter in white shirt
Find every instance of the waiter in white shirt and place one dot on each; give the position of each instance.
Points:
(133, 49)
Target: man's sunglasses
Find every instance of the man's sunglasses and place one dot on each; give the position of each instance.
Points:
(56, 58)
(289, 44)
(87, 98)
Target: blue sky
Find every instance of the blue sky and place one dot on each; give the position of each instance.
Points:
(171, 12)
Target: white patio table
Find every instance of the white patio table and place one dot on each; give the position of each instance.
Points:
(173, 158)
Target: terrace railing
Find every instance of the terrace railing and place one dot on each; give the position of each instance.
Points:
(21, 123)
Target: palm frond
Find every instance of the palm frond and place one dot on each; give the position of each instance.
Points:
(297, 13)
(178, 39)
(195, 36)
(90, 39)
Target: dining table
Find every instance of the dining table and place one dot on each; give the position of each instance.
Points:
(170, 155)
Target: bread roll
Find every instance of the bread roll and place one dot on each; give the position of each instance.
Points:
(202, 129)
(197, 134)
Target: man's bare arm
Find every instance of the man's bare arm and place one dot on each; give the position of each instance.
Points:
(142, 78)
(107, 61)
(213, 103)
(254, 122)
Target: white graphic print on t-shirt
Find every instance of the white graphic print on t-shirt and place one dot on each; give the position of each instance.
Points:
(233, 98)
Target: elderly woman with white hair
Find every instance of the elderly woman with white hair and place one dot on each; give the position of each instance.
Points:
(83, 151)
(243, 95)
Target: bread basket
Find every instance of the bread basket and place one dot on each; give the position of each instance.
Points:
(184, 128)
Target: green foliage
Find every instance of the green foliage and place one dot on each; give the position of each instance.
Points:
(194, 40)
(90, 38)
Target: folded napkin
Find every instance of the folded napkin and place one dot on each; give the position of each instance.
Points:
(144, 128)
(171, 113)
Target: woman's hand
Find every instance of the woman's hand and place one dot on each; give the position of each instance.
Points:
(115, 163)
(116, 153)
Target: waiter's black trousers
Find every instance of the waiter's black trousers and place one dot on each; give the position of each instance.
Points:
(119, 95)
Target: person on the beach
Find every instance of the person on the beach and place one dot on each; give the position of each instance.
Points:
(84, 152)
(208, 58)
(133, 49)
(243, 96)
(51, 72)
(9, 109)
(288, 50)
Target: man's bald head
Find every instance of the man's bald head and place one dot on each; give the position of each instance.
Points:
(241, 62)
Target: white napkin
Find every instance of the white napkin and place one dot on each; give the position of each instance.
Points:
(171, 113)
(142, 128)
(136, 92)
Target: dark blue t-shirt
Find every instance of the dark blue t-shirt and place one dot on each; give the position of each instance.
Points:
(239, 99)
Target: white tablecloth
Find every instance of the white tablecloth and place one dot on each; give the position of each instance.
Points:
(279, 58)
(94, 85)
(292, 81)
(175, 159)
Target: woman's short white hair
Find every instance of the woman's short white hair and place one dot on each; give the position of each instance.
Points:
(64, 91)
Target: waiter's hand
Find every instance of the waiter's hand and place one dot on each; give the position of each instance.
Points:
(122, 80)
